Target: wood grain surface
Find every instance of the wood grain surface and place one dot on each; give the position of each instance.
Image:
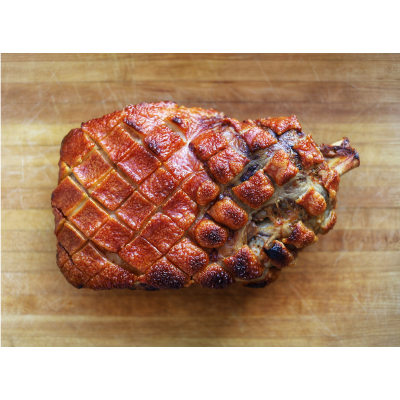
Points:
(345, 290)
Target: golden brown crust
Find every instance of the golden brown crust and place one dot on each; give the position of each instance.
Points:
(201, 189)
(163, 142)
(164, 275)
(226, 164)
(89, 259)
(207, 192)
(144, 117)
(181, 209)
(112, 191)
(112, 236)
(301, 236)
(92, 169)
(100, 127)
(158, 186)
(135, 210)
(257, 139)
(280, 168)
(64, 170)
(281, 124)
(62, 256)
(188, 257)
(308, 152)
(194, 121)
(162, 232)
(117, 143)
(58, 220)
(183, 163)
(70, 238)
(330, 179)
(111, 277)
(214, 277)
(228, 213)
(89, 217)
(75, 146)
(158, 196)
(208, 144)
(209, 234)
(140, 254)
(67, 196)
(255, 191)
(138, 163)
(244, 264)
(312, 201)
(73, 275)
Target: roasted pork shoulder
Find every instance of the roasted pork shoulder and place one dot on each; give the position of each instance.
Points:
(158, 196)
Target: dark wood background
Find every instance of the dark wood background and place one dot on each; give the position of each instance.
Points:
(345, 290)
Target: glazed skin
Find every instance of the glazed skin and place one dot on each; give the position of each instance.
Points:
(158, 196)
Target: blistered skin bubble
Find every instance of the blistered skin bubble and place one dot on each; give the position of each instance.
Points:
(279, 255)
(280, 168)
(214, 277)
(301, 236)
(210, 235)
(313, 202)
(309, 152)
(255, 191)
(244, 264)
(229, 214)
(164, 275)
(158, 197)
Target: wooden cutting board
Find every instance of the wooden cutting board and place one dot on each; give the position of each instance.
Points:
(345, 290)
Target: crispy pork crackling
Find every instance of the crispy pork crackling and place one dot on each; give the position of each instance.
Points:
(158, 196)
